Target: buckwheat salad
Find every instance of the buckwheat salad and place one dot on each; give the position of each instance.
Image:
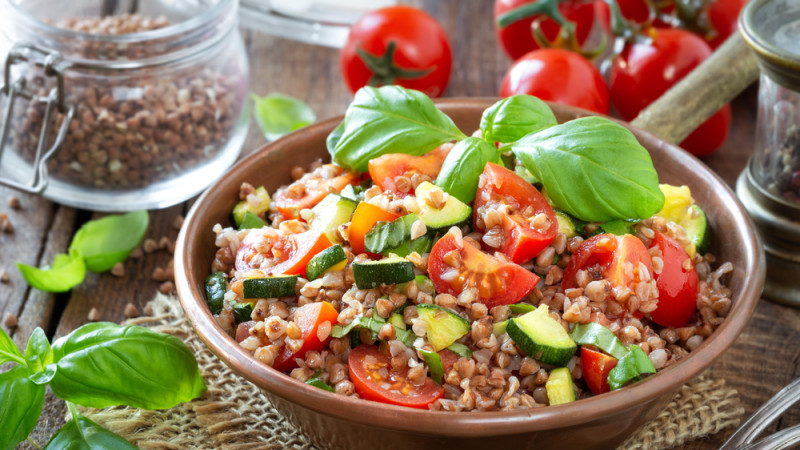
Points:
(531, 264)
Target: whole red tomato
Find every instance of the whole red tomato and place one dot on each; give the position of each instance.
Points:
(517, 38)
(724, 17)
(644, 71)
(559, 76)
(397, 45)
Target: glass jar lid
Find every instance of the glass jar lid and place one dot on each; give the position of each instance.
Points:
(772, 29)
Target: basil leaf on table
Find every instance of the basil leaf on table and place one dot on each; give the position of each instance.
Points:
(66, 272)
(81, 433)
(279, 114)
(594, 169)
(389, 119)
(107, 241)
(21, 403)
(463, 166)
(510, 119)
(104, 364)
(630, 368)
(8, 349)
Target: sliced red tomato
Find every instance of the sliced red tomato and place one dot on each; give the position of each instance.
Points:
(285, 253)
(560, 76)
(497, 282)
(677, 286)
(309, 190)
(517, 38)
(385, 169)
(595, 366)
(449, 358)
(618, 258)
(308, 317)
(499, 186)
(374, 379)
(364, 218)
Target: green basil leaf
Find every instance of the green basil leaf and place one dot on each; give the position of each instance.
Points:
(21, 403)
(38, 353)
(107, 241)
(460, 350)
(594, 169)
(510, 119)
(317, 382)
(389, 119)
(630, 368)
(434, 362)
(251, 221)
(66, 272)
(280, 114)
(104, 364)
(463, 166)
(333, 139)
(81, 433)
(601, 337)
(618, 227)
(8, 349)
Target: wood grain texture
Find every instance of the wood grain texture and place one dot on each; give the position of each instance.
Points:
(763, 359)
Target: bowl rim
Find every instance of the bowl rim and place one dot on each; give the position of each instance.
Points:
(470, 424)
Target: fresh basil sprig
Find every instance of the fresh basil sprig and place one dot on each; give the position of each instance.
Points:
(463, 166)
(510, 119)
(630, 368)
(97, 246)
(389, 119)
(594, 169)
(100, 364)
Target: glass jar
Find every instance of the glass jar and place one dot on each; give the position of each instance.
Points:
(769, 187)
(122, 111)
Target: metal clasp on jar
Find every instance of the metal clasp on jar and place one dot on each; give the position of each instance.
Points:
(49, 62)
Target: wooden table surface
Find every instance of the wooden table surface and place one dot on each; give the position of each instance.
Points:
(764, 358)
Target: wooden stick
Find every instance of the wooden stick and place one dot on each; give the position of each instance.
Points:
(720, 78)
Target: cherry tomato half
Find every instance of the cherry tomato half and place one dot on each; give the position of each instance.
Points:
(595, 366)
(308, 317)
(559, 76)
(280, 253)
(311, 189)
(517, 38)
(385, 169)
(618, 258)
(497, 282)
(365, 217)
(677, 285)
(644, 71)
(502, 190)
(397, 45)
(366, 364)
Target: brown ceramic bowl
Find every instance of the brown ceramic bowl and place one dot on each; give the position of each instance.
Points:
(338, 422)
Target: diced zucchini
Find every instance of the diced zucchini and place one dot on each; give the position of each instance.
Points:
(244, 206)
(568, 225)
(434, 362)
(541, 337)
(271, 287)
(397, 321)
(460, 349)
(499, 328)
(333, 211)
(242, 311)
(452, 213)
(525, 174)
(215, 291)
(697, 230)
(395, 238)
(444, 326)
(392, 270)
(251, 221)
(332, 258)
(521, 308)
(424, 284)
(559, 386)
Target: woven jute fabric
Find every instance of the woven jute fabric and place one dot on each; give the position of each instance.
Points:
(235, 414)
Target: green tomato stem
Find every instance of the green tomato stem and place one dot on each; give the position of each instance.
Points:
(384, 70)
(548, 8)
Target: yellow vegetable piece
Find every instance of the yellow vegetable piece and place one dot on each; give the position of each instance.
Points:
(677, 203)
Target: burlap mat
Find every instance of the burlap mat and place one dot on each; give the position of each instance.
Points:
(235, 414)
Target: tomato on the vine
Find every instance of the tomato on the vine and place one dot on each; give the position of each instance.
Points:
(397, 45)
(455, 267)
(373, 378)
(644, 71)
(502, 190)
(723, 15)
(517, 38)
(677, 284)
(559, 76)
